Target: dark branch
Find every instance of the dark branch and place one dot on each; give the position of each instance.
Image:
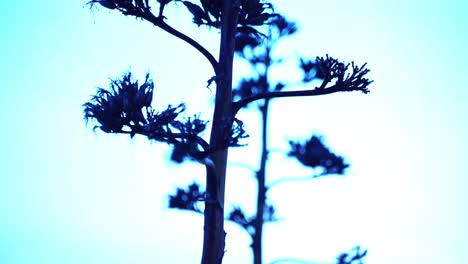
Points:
(158, 21)
(297, 179)
(200, 141)
(243, 165)
(335, 75)
(278, 94)
(354, 256)
(144, 12)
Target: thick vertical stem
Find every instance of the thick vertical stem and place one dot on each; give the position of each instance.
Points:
(214, 235)
(261, 198)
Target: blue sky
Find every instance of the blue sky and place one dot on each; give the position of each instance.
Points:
(68, 195)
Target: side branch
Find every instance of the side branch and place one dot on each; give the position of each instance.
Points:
(277, 94)
(336, 77)
(295, 179)
(159, 22)
(170, 138)
(146, 14)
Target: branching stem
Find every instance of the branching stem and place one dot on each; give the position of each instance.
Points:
(159, 22)
(205, 146)
(277, 94)
(295, 179)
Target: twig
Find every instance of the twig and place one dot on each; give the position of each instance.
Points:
(297, 178)
(159, 22)
(277, 94)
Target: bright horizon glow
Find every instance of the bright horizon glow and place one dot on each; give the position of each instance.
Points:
(68, 195)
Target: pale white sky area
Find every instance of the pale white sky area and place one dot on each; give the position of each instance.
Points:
(71, 196)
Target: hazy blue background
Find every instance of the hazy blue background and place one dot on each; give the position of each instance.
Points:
(68, 195)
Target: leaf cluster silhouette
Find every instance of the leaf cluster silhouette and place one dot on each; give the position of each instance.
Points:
(187, 199)
(313, 153)
(125, 108)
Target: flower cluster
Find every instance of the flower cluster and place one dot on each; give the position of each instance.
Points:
(125, 104)
(187, 199)
(313, 153)
(251, 86)
(332, 70)
(251, 13)
(126, 108)
(238, 216)
(124, 4)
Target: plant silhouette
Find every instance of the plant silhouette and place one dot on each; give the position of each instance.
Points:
(250, 28)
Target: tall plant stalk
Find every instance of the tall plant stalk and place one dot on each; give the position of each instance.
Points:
(214, 235)
(126, 107)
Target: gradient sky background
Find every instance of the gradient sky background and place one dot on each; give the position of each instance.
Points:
(68, 195)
